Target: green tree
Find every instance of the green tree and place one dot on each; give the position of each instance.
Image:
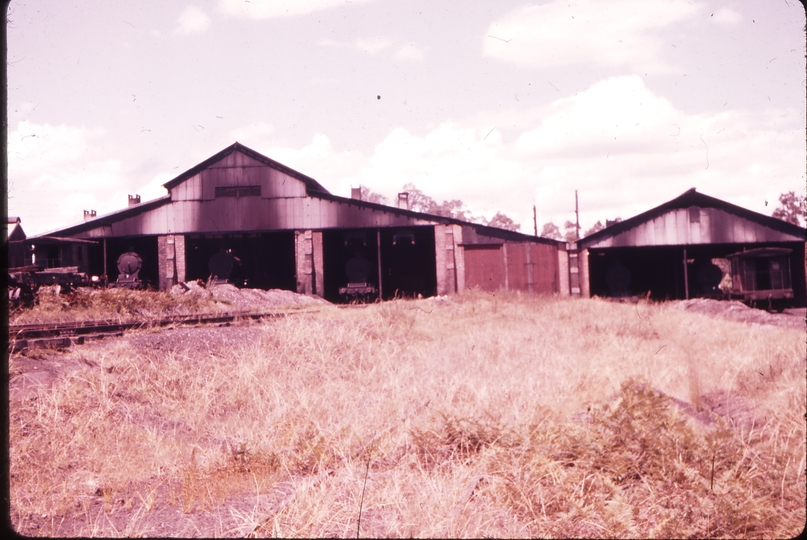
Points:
(792, 208)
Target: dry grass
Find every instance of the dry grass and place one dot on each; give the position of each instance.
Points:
(482, 415)
(121, 305)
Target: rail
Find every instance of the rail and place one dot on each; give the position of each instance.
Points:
(29, 336)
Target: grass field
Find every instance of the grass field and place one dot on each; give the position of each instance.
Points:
(476, 415)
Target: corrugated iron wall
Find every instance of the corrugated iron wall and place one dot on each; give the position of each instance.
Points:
(522, 266)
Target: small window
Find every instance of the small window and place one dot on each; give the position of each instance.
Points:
(694, 214)
(238, 191)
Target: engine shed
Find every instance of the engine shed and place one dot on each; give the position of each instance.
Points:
(244, 218)
(697, 246)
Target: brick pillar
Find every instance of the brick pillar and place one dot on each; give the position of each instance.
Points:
(440, 258)
(585, 288)
(564, 288)
(166, 261)
(449, 259)
(306, 261)
(459, 259)
(179, 257)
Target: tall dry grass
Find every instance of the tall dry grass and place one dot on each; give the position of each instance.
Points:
(480, 415)
(122, 305)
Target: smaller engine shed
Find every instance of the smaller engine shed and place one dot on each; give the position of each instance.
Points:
(246, 219)
(698, 246)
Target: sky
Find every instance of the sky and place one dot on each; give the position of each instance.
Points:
(501, 104)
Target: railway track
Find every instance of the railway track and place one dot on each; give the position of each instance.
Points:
(62, 335)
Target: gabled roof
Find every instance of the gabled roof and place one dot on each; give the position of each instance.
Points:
(13, 231)
(311, 185)
(692, 198)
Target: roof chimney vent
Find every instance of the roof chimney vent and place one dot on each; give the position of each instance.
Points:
(134, 200)
(89, 214)
(403, 200)
(355, 193)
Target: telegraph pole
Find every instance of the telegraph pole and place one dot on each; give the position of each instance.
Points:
(576, 218)
(534, 221)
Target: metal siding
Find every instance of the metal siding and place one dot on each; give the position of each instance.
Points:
(276, 184)
(517, 266)
(706, 226)
(649, 237)
(484, 268)
(681, 225)
(695, 231)
(545, 273)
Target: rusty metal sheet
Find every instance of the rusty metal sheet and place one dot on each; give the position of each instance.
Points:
(484, 267)
(545, 269)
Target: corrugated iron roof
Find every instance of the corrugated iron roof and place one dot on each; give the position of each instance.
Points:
(107, 218)
(692, 198)
(311, 185)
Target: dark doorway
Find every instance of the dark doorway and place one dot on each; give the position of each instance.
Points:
(260, 260)
(659, 271)
(144, 246)
(407, 261)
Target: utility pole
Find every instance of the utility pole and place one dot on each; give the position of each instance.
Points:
(534, 221)
(576, 218)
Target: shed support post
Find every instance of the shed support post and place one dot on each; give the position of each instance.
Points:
(686, 277)
(378, 247)
(106, 275)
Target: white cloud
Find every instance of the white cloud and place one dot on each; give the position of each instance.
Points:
(373, 45)
(610, 33)
(270, 9)
(332, 168)
(410, 51)
(252, 132)
(193, 20)
(623, 147)
(726, 16)
(56, 171)
(377, 44)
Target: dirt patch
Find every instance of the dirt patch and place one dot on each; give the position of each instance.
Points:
(737, 311)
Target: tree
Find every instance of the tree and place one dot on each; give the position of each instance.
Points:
(373, 197)
(420, 202)
(596, 228)
(503, 222)
(550, 230)
(792, 208)
(570, 232)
